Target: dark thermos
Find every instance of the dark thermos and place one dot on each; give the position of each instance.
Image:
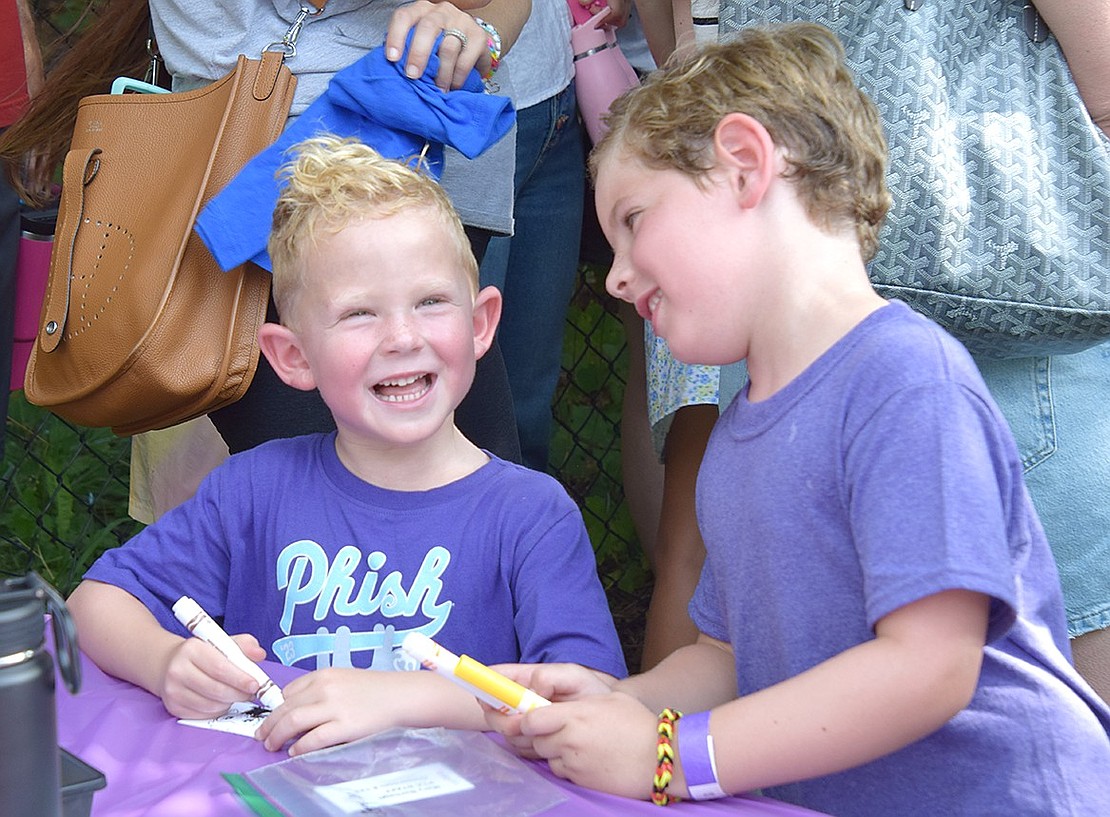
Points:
(30, 778)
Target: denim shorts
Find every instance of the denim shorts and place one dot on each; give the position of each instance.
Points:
(1059, 410)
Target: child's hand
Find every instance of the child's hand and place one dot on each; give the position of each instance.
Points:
(337, 705)
(604, 742)
(556, 682)
(330, 706)
(199, 681)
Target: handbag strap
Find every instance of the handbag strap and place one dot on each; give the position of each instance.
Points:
(268, 71)
(79, 169)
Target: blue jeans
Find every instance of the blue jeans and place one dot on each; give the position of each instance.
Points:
(1059, 410)
(535, 269)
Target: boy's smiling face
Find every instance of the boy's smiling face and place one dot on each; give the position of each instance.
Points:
(671, 258)
(386, 323)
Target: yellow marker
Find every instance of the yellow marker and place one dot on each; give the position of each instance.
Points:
(490, 686)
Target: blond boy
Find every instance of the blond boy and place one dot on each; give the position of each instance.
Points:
(327, 549)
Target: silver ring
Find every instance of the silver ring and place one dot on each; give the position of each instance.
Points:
(454, 32)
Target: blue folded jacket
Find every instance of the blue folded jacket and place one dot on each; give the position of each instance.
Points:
(373, 101)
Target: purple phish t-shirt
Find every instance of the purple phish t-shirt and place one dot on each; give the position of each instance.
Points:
(324, 569)
(883, 474)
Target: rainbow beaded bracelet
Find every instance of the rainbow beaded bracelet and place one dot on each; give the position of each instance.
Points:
(664, 755)
(493, 45)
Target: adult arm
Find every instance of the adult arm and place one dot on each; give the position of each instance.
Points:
(32, 54)
(664, 22)
(1083, 31)
(679, 550)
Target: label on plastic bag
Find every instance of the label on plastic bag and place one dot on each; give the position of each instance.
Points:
(393, 788)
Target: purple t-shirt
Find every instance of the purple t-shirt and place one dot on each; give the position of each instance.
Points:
(883, 474)
(283, 542)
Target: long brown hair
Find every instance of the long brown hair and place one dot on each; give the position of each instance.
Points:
(114, 44)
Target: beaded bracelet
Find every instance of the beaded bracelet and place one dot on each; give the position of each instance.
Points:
(493, 44)
(664, 755)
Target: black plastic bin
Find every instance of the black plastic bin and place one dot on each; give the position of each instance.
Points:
(79, 782)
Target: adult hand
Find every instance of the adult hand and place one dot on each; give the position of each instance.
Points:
(199, 681)
(459, 52)
(618, 13)
(604, 742)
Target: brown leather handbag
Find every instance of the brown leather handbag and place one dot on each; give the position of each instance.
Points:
(140, 328)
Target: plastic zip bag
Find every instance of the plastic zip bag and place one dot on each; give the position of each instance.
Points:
(408, 773)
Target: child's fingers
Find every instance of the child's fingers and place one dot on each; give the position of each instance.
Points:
(507, 725)
(558, 682)
(218, 668)
(523, 746)
(547, 720)
(188, 704)
(326, 734)
(189, 693)
(250, 646)
(198, 667)
(290, 721)
(521, 673)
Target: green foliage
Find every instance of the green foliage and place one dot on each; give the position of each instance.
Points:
(585, 448)
(65, 495)
(63, 19)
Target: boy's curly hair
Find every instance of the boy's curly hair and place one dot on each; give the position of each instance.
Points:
(332, 182)
(791, 78)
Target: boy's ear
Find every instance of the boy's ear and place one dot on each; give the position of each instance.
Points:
(282, 348)
(487, 316)
(746, 151)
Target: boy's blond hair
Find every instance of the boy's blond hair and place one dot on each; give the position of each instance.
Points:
(792, 79)
(333, 182)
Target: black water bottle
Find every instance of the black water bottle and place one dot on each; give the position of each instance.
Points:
(30, 781)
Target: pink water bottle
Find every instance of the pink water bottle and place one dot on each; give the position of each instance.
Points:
(601, 71)
(31, 270)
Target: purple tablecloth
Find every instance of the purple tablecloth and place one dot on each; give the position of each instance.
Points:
(157, 767)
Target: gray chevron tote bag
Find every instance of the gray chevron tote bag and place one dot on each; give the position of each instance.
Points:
(1000, 226)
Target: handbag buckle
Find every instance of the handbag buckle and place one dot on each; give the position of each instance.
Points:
(288, 44)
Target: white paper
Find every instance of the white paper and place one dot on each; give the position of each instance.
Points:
(393, 788)
(241, 719)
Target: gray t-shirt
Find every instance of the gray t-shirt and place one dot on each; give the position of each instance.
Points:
(201, 41)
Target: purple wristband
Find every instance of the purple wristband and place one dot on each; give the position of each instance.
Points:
(695, 753)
